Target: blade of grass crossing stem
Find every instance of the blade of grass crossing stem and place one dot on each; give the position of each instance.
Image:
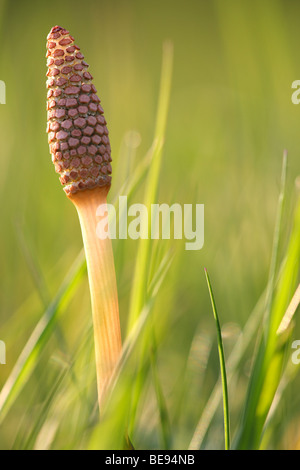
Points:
(143, 367)
(139, 326)
(108, 433)
(139, 288)
(222, 365)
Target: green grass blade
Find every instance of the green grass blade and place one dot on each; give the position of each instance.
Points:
(78, 398)
(139, 288)
(144, 365)
(274, 259)
(139, 292)
(33, 265)
(222, 366)
(239, 350)
(30, 440)
(289, 314)
(263, 358)
(161, 402)
(30, 354)
(246, 336)
(269, 363)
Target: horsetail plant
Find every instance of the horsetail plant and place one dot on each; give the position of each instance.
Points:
(81, 153)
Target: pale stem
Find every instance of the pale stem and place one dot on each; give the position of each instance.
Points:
(103, 287)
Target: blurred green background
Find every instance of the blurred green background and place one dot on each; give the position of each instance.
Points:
(230, 119)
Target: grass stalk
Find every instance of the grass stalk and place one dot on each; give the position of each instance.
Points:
(165, 424)
(139, 288)
(30, 354)
(222, 365)
(269, 362)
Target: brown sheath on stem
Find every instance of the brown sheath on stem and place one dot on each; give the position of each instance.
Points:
(80, 148)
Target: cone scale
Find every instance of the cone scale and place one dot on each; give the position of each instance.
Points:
(77, 132)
